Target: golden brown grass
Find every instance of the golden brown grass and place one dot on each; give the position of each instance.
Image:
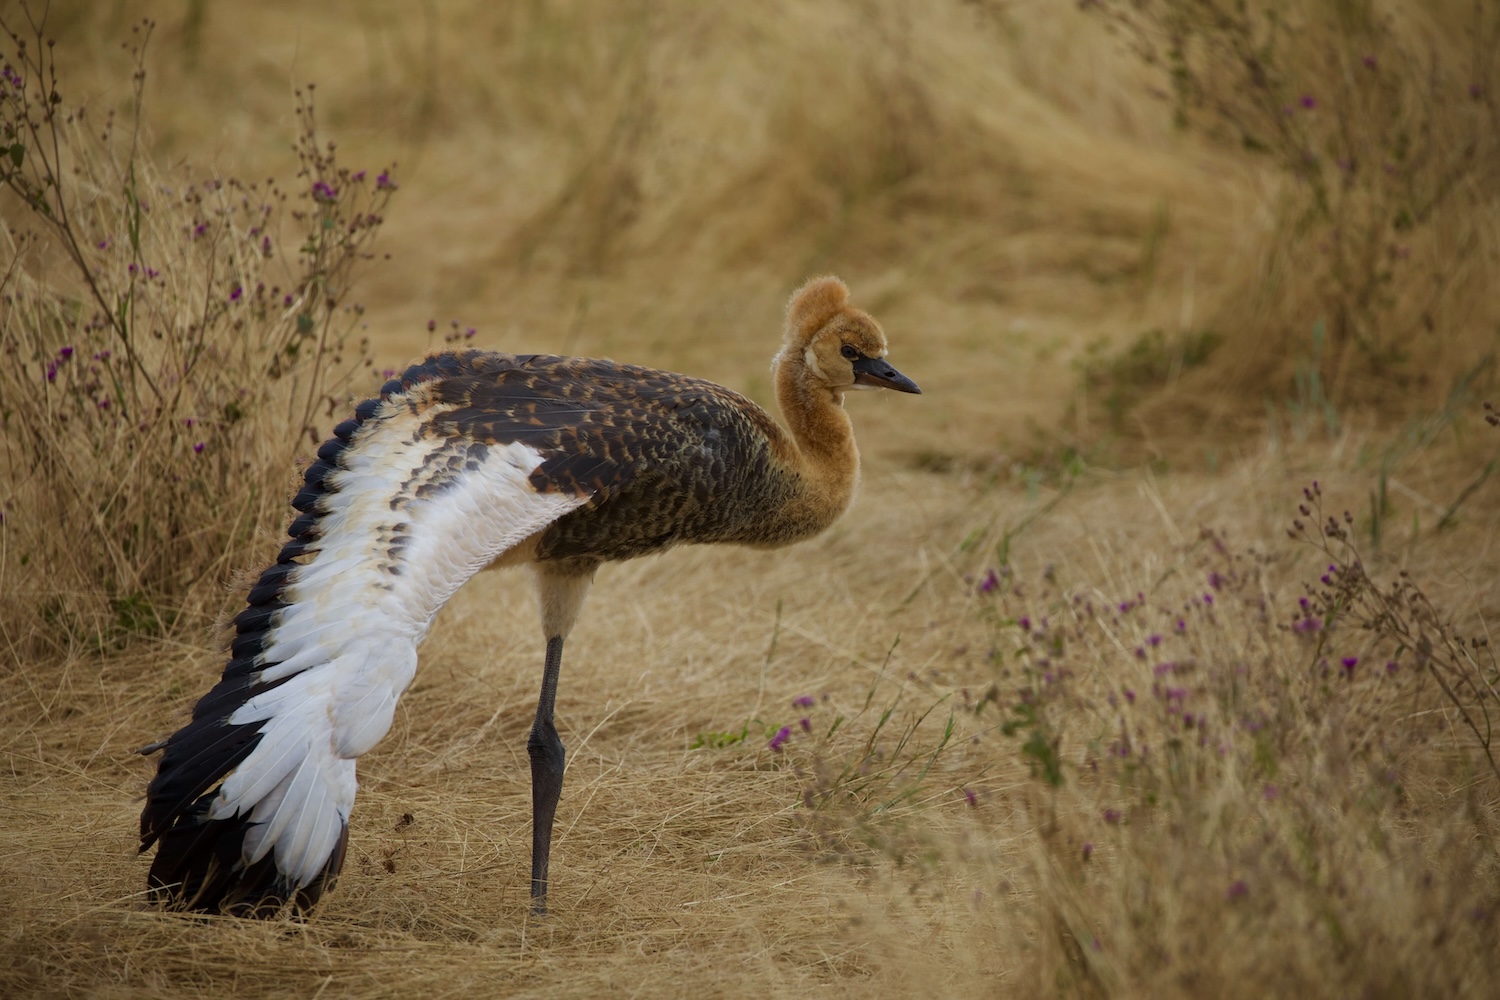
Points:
(647, 182)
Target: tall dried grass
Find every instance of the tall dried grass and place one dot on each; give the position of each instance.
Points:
(170, 347)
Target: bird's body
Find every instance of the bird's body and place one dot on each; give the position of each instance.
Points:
(470, 460)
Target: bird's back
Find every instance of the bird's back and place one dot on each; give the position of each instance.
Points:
(663, 457)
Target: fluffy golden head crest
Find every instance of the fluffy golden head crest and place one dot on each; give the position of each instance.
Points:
(812, 306)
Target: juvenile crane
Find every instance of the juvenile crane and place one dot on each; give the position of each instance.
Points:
(470, 460)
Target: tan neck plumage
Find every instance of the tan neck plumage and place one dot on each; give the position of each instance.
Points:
(824, 456)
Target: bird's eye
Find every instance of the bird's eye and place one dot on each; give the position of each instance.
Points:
(850, 352)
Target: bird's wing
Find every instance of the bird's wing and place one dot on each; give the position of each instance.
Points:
(251, 801)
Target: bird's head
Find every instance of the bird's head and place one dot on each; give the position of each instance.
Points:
(841, 347)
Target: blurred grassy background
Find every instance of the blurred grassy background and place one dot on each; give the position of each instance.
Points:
(1113, 321)
(648, 180)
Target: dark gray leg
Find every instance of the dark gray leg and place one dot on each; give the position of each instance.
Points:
(546, 751)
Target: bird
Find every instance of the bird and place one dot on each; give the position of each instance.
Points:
(470, 460)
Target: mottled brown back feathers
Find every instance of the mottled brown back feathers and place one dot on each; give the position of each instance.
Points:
(664, 458)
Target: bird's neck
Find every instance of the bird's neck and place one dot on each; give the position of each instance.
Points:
(825, 454)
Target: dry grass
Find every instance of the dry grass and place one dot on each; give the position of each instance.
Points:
(703, 870)
(647, 182)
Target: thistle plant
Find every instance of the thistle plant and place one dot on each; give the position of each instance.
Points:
(170, 346)
(1388, 146)
(1411, 636)
(1223, 748)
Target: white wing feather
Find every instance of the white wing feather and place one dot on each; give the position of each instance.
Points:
(399, 534)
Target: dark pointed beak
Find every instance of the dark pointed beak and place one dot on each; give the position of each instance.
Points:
(878, 372)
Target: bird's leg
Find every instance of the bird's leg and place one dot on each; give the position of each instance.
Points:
(546, 751)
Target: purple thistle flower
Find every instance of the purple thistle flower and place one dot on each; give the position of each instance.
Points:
(324, 192)
(1088, 851)
(1308, 624)
(1153, 640)
(1208, 599)
(358, 175)
(803, 701)
(1025, 623)
(805, 723)
(1348, 664)
(1181, 625)
(1392, 666)
(1308, 102)
(1215, 580)
(65, 353)
(188, 421)
(383, 182)
(990, 583)
(970, 797)
(198, 448)
(1112, 816)
(1130, 696)
(104, 403)
(52, 371)
(782, 735)
(236, 294)
(469, 333)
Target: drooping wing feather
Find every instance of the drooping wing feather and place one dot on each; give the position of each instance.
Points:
(251, 801)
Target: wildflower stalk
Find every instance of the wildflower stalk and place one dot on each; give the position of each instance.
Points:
(1402, 615)
(165, 367)
(38, 154)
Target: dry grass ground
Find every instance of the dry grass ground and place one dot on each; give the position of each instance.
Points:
(648, 182)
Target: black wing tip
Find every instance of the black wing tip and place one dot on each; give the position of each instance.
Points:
(198, 756)
(197, 869)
